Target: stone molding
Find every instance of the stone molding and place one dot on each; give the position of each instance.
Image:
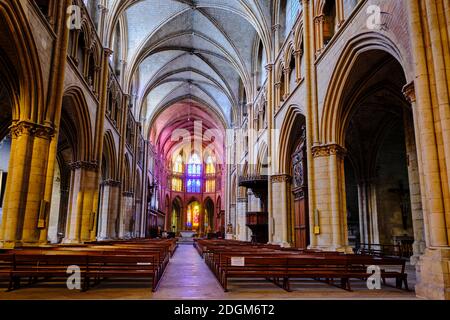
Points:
(280, 178)
(31, 129)
(111, 183)
(328, 150)
(86, 165)
(409, 91)
(128, 194)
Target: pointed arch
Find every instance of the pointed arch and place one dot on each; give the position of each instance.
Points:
(332, 121)
(22, 53)
(75, 110)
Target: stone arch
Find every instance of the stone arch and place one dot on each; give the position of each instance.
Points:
(262, 158)
(331, 123)
(20, 51)
(293, 116)
(110, 155)
(75, 112)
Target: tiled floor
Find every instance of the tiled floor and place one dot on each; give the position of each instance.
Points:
(188, 277)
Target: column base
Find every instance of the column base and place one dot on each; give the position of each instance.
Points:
(71, 241)
(433, 274)
(10, 244)
(418, 250)
(20, 244)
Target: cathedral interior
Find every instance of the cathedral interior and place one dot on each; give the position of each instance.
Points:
(165, 126)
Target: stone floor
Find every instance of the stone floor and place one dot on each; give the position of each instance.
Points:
(188, 277)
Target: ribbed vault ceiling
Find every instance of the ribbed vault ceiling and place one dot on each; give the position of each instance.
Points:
(184, 50)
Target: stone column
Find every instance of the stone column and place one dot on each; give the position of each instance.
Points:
(108, 210)
(286, 83)
(298, 64)
(82, 211)
(329, 185)
(126, 215)
(25, 186)
(280, 209)
(432, 127)
(242, 231)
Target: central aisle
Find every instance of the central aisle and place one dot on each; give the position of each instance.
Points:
(188, 277)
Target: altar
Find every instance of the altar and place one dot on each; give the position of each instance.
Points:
(187, 237)
(187, 234)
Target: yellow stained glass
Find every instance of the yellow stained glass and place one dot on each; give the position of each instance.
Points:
(177, 184)
(178, 165)
(210, 168)
(210, 186)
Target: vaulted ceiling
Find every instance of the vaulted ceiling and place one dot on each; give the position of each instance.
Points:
(185, 52)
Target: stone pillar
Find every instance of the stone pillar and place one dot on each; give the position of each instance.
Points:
(25, 187)
(242, 232)
(287, 88)
(415, 178)
(298, 64)
(432, 121)
(368, 215)
(126, 215)
(82, 211)
(280, 209)
(329, 185)
(108, 210)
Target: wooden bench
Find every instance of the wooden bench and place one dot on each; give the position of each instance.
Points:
(283, 265)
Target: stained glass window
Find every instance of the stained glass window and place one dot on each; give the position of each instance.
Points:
(177, 184)
(193, 215)
(194, 185)
(211, 186)
(194, 172)
(210, 168)
(178, 164)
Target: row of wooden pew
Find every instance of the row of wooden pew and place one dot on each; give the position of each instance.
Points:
(234, 259)
(96, 262)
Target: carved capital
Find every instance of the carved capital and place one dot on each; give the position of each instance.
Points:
(111, 183)
(102, 8)
(85, 165)
(280, 178)
(128, 194)
(409, 92)
(21, 128)
(269, 67)
(319, 19)
(276, 27)
(108, 52)
(328, 150)
(298, 53)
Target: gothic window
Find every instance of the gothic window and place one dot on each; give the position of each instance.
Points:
(177, 184)
(210, 170)
(177, 169)
(194, 172)
(210, 167)
(293, 8)
(194, 166)
(178, 164)
(330, 23)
